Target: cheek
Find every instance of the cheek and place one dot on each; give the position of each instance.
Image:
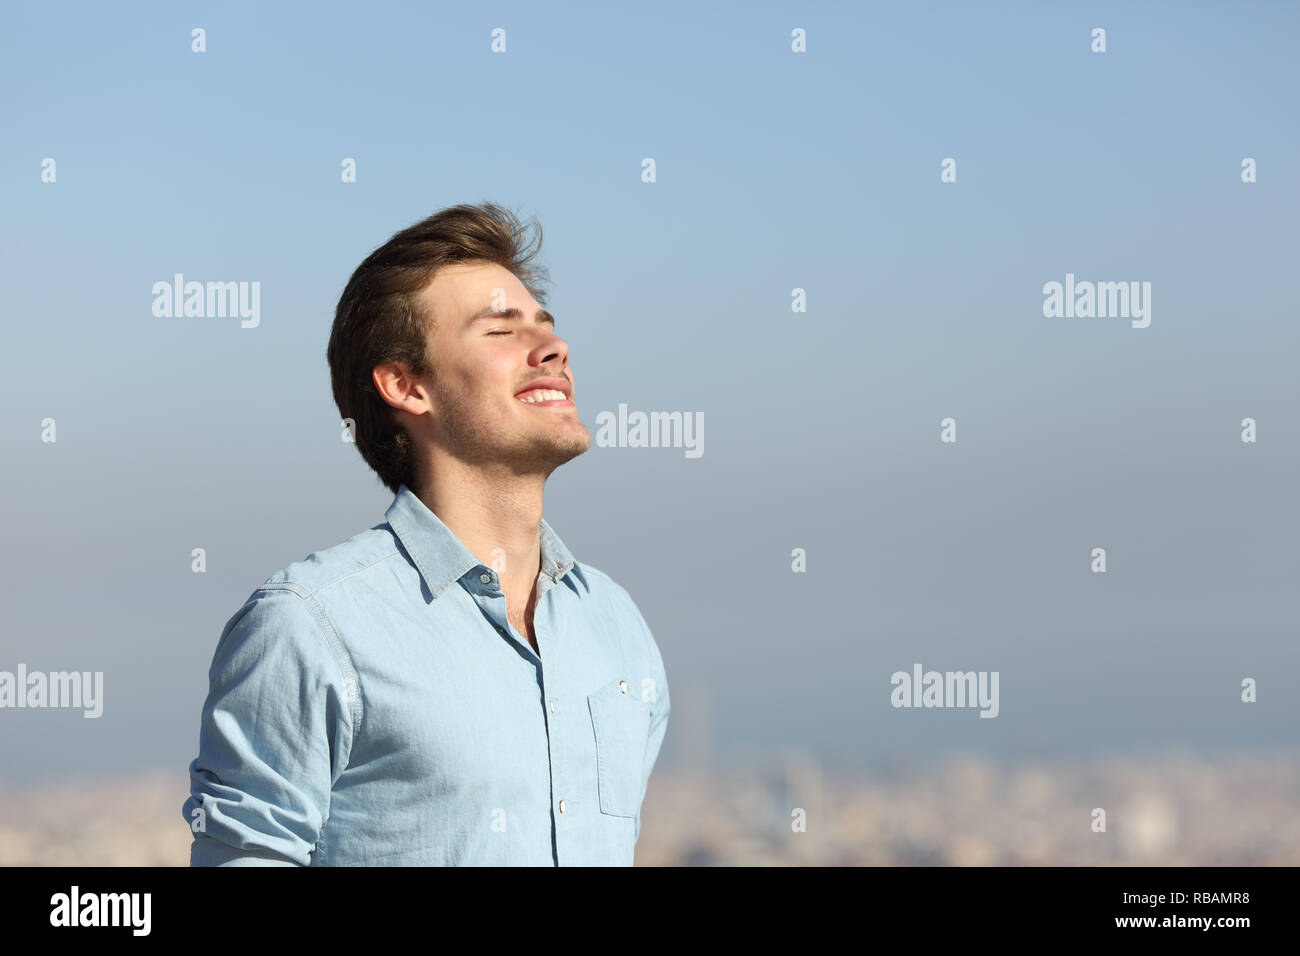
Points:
(482, 373)
(498, 374)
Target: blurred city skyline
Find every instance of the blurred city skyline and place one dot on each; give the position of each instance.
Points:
(1169, 809)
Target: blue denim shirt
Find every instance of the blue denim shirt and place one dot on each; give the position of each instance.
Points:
(372, 704)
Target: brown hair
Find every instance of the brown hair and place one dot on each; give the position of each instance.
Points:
(378, 319)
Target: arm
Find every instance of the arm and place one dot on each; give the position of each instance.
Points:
(660, 705)
(276, 733)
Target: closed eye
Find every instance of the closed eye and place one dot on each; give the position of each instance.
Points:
(504, 332)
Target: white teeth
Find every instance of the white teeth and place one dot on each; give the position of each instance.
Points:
(542, 395)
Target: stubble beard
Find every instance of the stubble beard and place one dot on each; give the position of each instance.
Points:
(472, 436)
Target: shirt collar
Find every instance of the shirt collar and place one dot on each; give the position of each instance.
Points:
(441, 558)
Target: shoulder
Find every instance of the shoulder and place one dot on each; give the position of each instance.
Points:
(338, 565)
(604, 590)
(615, 600)
(288, 611)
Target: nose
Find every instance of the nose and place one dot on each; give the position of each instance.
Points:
(551, 348)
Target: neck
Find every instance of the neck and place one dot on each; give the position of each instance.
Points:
(494, 512)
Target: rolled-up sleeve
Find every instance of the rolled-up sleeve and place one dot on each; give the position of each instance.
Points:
(275, 735)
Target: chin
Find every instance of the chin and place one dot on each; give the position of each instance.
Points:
(570, 446)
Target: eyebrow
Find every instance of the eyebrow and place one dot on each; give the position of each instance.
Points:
(508, 314)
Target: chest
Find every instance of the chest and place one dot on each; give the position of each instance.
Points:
(455, 709)
(519, 611)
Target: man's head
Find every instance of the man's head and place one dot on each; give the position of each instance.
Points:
(436, 334)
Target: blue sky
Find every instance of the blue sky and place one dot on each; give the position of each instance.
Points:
(775, 171)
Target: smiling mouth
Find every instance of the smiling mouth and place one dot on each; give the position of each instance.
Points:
(550, 397)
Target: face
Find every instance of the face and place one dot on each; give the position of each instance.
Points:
(491, 345)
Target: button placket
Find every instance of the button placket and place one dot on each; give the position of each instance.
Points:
(557, 777)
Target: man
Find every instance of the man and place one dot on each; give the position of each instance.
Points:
(450, 686)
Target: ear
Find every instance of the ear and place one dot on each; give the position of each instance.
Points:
(400, 389)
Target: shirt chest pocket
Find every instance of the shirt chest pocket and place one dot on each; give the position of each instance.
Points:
(621, 721)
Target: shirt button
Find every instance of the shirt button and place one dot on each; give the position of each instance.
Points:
(561, 806)
(552, 705)
(485, 578)
(622, 687)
